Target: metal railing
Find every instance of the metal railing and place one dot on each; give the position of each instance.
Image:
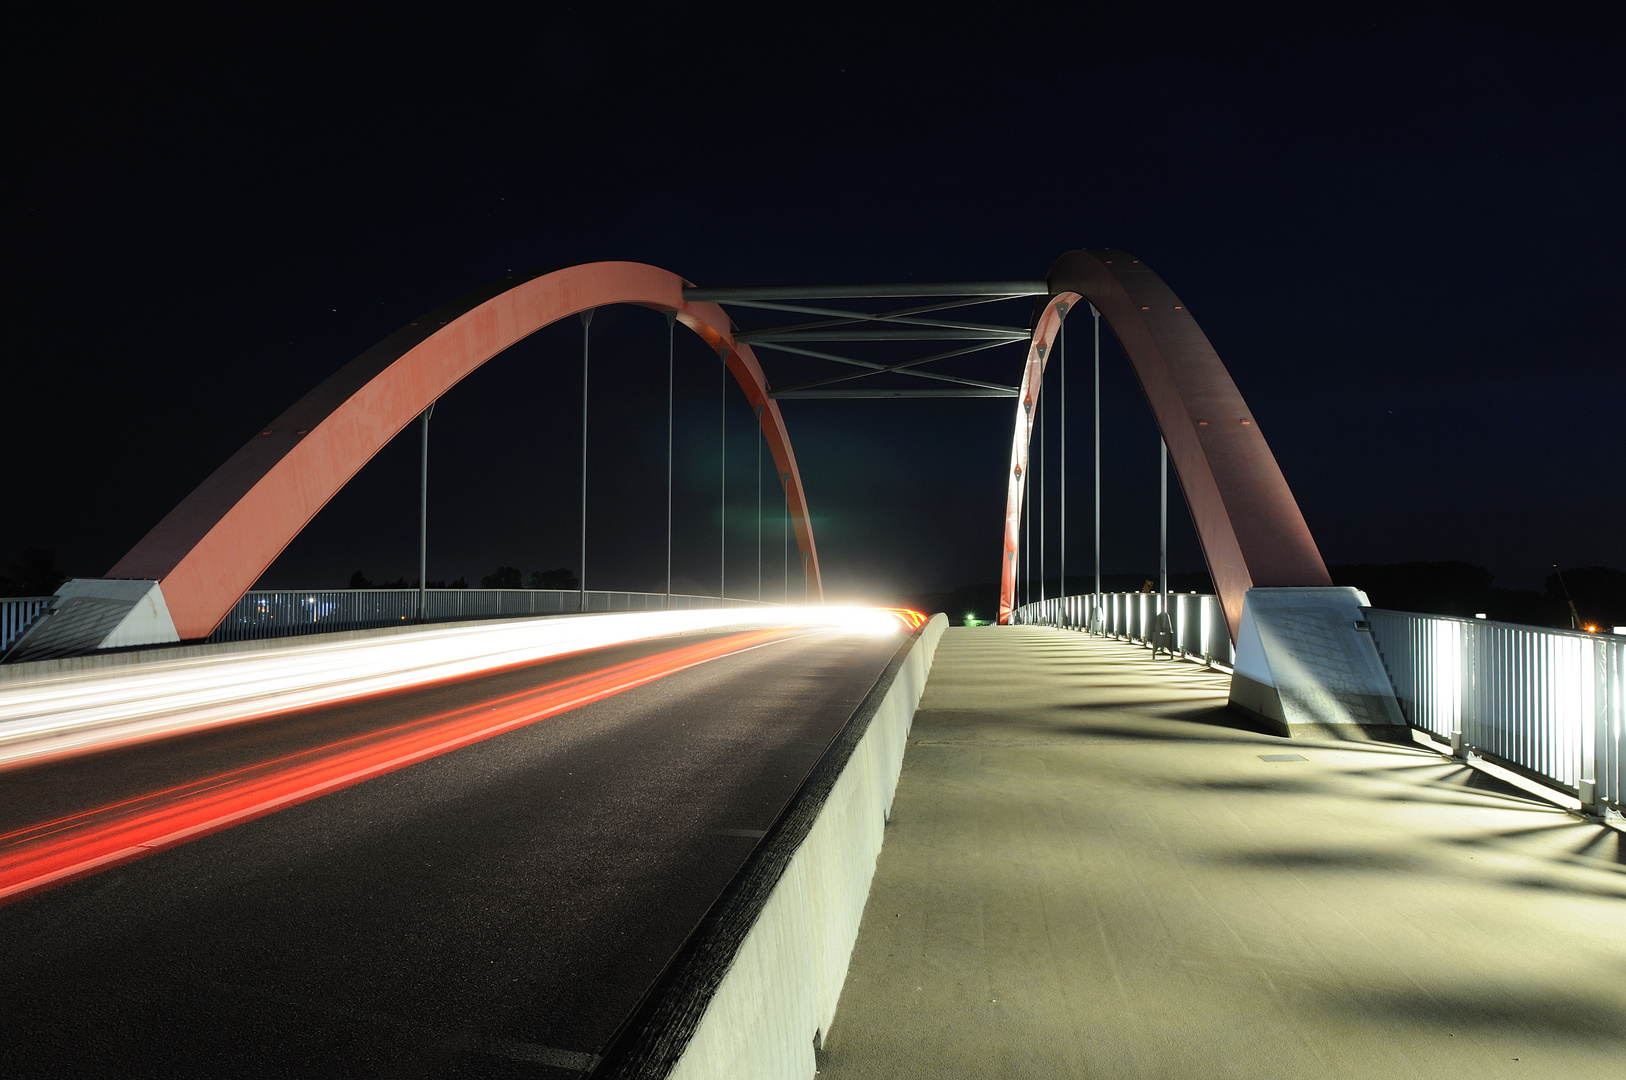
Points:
(1197, 622)
(284, 613)
(16, 612)
(1547, 703)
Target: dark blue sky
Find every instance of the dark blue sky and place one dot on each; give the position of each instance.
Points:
(1400, 227)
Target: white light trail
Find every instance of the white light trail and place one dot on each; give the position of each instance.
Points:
(52, 715)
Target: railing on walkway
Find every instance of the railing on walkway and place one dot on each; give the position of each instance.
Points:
(16, 612)
(1548, 703)
(1197, 621)
(284, 613)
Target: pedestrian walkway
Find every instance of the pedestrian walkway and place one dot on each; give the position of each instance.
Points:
(1094, 870)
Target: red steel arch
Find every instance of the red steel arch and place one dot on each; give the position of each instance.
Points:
(1248, 522)
(209, 550)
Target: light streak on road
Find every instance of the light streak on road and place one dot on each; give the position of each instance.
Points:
(43, 717)
(50, 853)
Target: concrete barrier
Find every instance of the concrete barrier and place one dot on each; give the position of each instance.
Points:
(755, 989)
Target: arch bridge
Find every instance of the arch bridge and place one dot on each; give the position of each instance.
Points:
(181, 579)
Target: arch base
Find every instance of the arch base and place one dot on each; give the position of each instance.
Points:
(1306, 665)
(96, 613)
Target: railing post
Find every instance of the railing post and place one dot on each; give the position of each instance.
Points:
(759, 503)
(1163, 523)
(1594, 722)
(1026, 546)
(423, 521)
(1611, 718)
(1465, 676)
(722, 498)
(1061, 332)
(587, 322)
(1101, 627)
(671, 322)
(1482, 653)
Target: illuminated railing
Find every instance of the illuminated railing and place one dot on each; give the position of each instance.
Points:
(1196, 628)
(1548, 703)
(285, 613)
(15, 615)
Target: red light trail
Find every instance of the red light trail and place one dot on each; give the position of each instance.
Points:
(52, 853)
(910, 618)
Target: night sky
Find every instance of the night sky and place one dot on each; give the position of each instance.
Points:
(1402, 230)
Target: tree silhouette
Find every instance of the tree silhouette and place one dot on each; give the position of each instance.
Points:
(561, 577)
(504, 577)
(35, 573)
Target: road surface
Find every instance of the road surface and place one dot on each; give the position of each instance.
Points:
(491, 907)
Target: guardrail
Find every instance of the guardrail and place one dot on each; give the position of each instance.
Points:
(16, 612)
(285, 613)
(1197, 629)
(1547, 703)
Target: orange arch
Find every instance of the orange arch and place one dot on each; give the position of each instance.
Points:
(1249, 524)
(211, 548)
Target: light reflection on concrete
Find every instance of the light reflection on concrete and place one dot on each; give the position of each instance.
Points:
(1090, 872)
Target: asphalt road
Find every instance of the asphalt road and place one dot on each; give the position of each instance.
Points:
(498, 910)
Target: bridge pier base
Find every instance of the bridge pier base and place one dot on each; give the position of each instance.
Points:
(1306, 664)
(97, 613)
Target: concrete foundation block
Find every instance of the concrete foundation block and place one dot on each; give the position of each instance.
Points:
(1306, 664)
(768, 1014)
(95, 613)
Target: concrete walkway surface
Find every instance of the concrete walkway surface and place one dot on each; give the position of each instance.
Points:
(1094, 870)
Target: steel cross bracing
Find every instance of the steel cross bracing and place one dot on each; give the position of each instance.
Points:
(920, 322)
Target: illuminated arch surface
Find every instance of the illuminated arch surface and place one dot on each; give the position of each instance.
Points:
(1250, 527)
(209, 550)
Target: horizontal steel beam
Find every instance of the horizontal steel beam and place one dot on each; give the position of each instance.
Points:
(904, 367)
(723, 294)
(912, 372)
(858, 320)
(946, 392)
(949, 304)
(795, 350)
(884, 333)
(910, 316)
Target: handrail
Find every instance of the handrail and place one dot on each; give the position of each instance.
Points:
(1547, 703)
(288, 612)
(1550, 704)
(16, 614)
(1197, 628)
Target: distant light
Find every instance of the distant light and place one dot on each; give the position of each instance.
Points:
(1591, 628)
(1479, 615)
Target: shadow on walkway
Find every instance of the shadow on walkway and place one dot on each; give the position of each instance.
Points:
(1095, 869)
